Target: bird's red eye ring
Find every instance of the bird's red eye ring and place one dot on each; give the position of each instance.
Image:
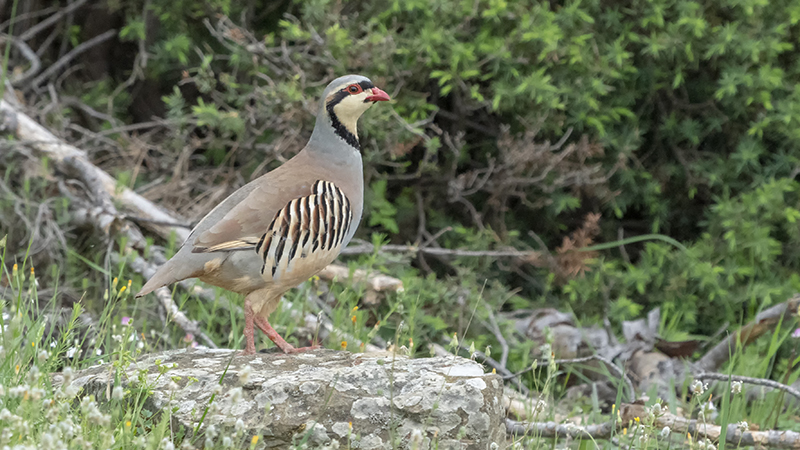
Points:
(354, 89)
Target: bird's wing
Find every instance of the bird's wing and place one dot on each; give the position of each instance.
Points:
(315, 218)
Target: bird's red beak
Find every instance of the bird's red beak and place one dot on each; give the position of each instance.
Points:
(378, 96)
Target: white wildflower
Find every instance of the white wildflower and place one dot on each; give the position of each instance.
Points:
(47, 440)
(665, 432)
(743, 426)
(118, 393)
(33, 375)
(212, 431)
(173, 386)
(239, 426)
(43, 356)
(227, 442)
(736, 387)
(656, 409)
(18, 391)
(698, 387)
(71, 391)
(37, 394)
(244, 374)
(416, 437)
(140, 442)
(166, 444)
(71, 352)
(541, 405)
(68, 374)
(236, 395)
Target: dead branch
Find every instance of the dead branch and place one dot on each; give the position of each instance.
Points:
(749, 380)
(34, 30)
(560, 430)
(73, 161)
(366, 248)
(734, 436)
(104, 215)
(763, 322)
(64, 60)
(28, 54)
(375, 281)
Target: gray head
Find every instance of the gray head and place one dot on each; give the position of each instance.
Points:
(342, 103)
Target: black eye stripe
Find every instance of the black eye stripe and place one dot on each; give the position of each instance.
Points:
(364, 85)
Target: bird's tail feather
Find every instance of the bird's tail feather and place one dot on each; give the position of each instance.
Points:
(168, 273)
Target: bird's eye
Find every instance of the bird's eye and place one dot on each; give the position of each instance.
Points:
(354, 89)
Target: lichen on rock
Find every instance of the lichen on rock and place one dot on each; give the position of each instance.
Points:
(365, 401)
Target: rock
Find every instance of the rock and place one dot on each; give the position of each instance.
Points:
(364, 401)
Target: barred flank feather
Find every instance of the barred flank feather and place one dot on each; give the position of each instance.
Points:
(305, 226)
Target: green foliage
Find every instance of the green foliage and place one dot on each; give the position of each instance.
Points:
(746, 261)
(382, 211)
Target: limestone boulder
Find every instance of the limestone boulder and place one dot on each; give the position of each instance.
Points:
(364, 401)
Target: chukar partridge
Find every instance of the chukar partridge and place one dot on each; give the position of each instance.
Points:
(282, 228)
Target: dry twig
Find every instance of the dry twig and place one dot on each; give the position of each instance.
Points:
(63, 61)
(734, 436)
(560, 430)
(749, 380)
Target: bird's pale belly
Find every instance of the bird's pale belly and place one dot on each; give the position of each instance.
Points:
(241, 271)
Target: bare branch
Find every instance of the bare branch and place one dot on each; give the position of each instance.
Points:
(34, 30)
(560, 430)
(367, 248)
(734, 436)
(749, 380)
(70, 56)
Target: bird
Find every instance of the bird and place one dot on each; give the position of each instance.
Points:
(285, 226)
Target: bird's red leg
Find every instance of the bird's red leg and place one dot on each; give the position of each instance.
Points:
(249, 317)
(264, 326)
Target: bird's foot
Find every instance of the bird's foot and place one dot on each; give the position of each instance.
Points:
(293, 349)
(281, 343)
